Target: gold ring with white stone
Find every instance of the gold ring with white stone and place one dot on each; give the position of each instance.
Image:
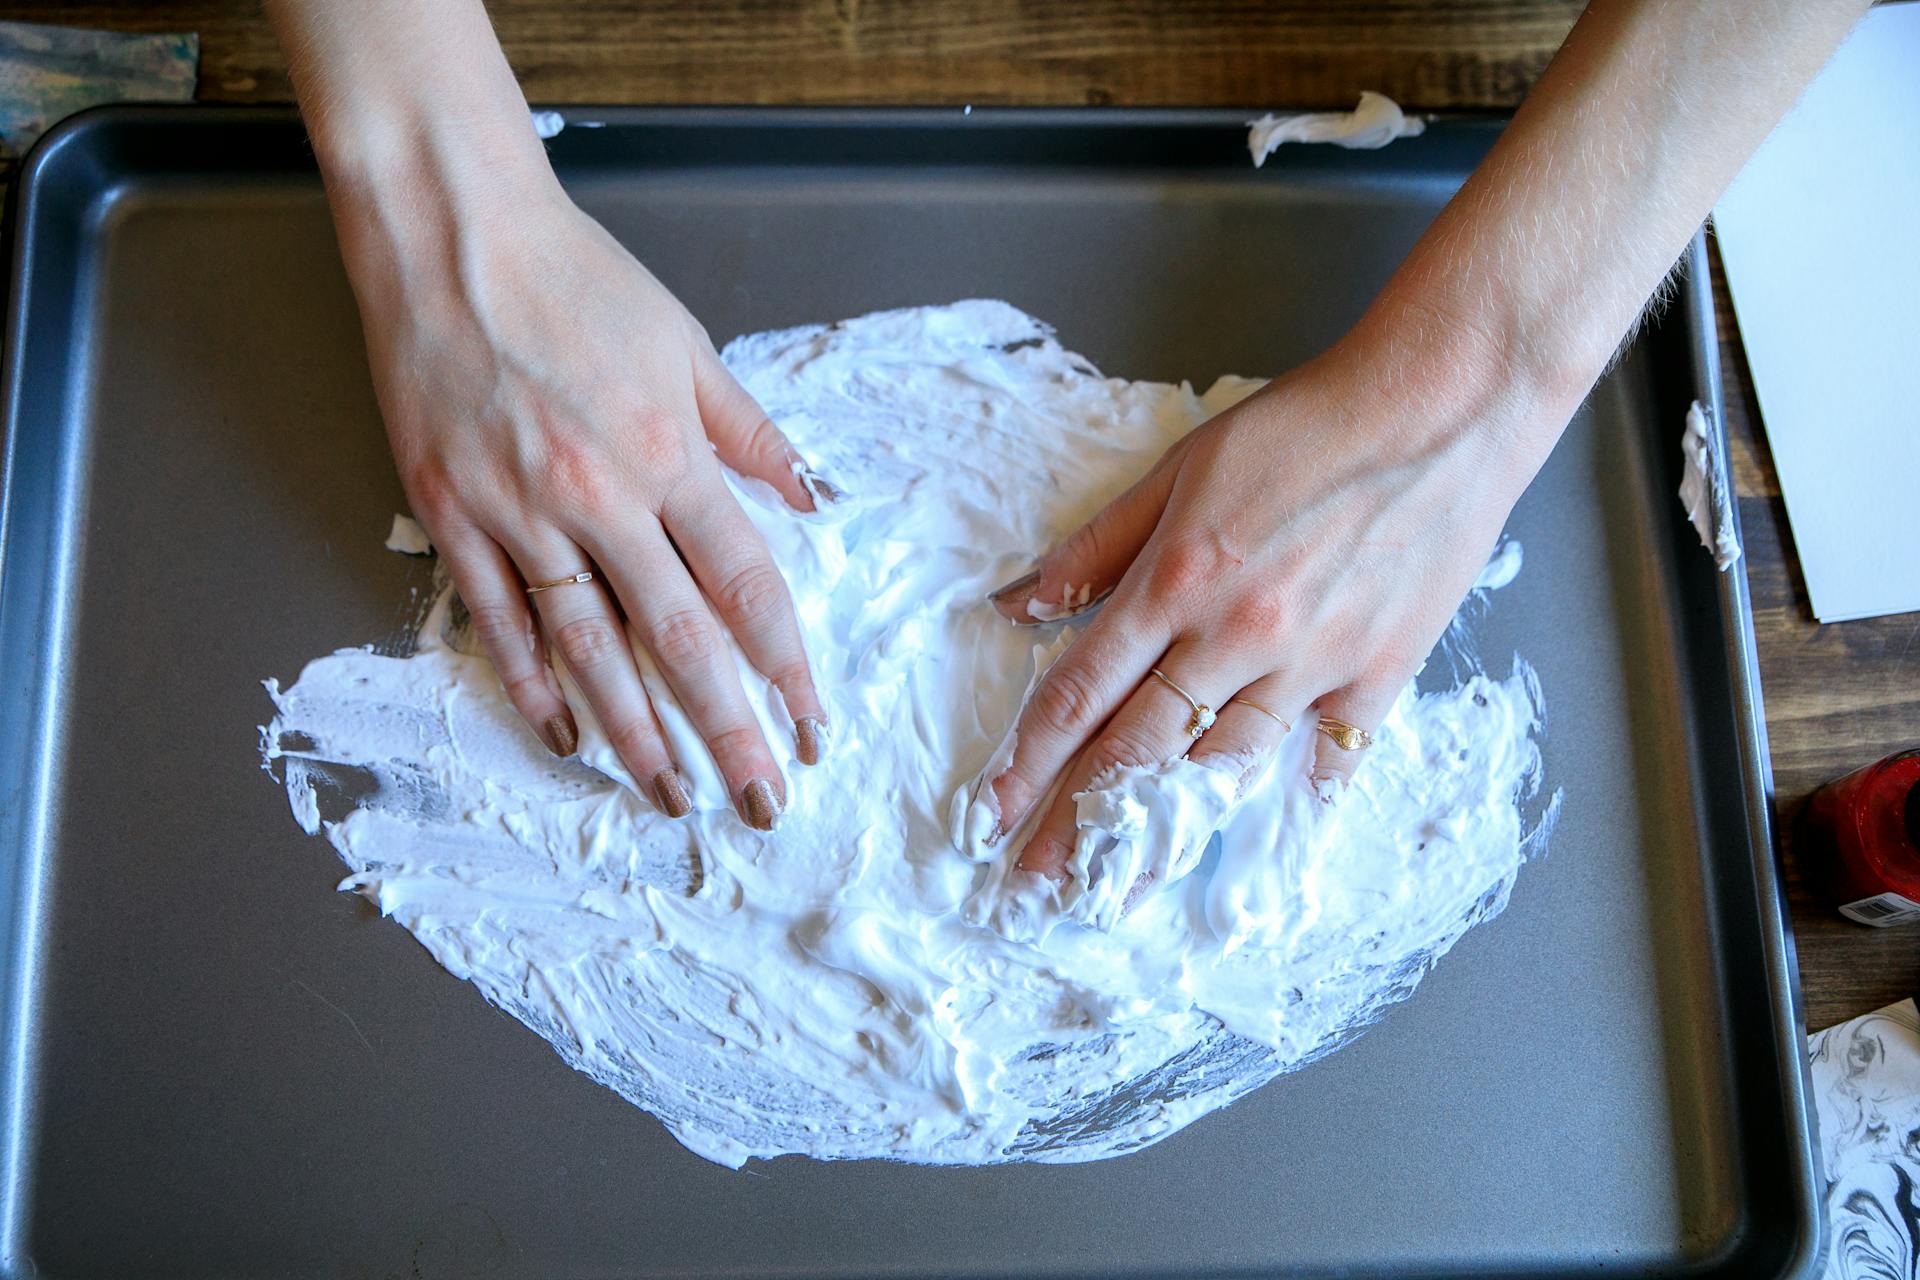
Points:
(567, 581)
(1347, 737)
(1202, 718)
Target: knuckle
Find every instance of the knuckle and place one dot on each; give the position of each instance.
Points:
(765, 441)
(580, 467)
(686, 637)
(1187, 566)
(1087, 545)
(1390, 667)
(790, 677)
(739, 742)
(525, 688)
(1255, 614)
(634, 740)
(573, 474)
(1067, 698)
(504, 632)
(1128, 747)
(658, 446)
(431, 489)
(753, 596)
(589, 642)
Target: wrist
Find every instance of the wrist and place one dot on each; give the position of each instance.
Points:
(1466, 331)
(412, 109)
(412, 195)
(1457, 385)
(380, 157)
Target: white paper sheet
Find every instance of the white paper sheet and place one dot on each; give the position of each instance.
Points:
(1821, 239)
(1866, 1092)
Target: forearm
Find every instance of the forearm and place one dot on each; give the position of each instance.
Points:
(414, 114)
(1542, 262)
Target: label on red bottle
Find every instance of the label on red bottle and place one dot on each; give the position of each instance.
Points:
(1882, 910)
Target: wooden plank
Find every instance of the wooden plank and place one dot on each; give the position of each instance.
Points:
(1433, 54)
(1837, 696)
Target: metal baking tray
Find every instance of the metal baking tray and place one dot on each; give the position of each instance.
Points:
(216, 1065)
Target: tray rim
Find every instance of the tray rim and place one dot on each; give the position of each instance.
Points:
(33, 613)
(1755, 763)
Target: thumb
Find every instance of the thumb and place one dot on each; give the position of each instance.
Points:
(745, 438)
(1080, 572)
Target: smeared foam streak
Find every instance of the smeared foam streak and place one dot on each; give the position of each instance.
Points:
(1375, 121)
(876, 980)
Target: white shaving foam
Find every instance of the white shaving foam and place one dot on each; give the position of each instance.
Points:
(1705, 490)
(1372, 124)
(408, 538)
(874, 980)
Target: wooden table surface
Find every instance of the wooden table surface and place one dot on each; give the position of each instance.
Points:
(1837, 696)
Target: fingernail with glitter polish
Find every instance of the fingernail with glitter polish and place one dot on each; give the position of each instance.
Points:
(1020, 588)
(979, 827)
(562, 738)
(989, 818)
(671, 791)
(762, 804)
(823, 489)
(809, 739)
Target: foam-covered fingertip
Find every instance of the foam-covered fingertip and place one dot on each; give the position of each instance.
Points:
(1013, 598)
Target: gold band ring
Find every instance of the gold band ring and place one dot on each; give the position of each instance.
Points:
(567, 581)
(1347, 737)
(1202, 718)
(1252, 705)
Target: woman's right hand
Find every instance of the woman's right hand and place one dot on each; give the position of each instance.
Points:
(553, 410)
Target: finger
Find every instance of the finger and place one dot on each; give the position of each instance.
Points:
(1075, 696)
(745, 438)
(1079, 572)
(1362, 705)
(492, 590)
(1250, 728)
(731, 563)
(1155, 726)
(592, 640)
(687, 642)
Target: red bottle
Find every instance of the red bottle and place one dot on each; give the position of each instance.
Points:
(1859, 841)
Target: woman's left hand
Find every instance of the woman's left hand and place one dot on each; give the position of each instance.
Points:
(1297, 556)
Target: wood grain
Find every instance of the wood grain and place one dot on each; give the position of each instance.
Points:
(1074, 52)
(1837, 696)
